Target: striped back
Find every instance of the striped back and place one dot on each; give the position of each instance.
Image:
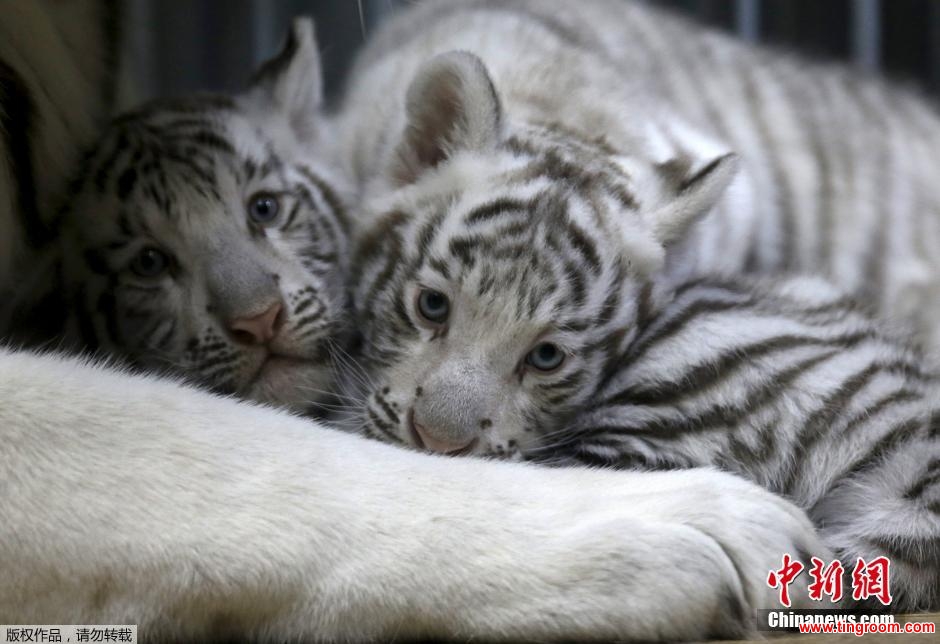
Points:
(793, 385)
(765, 377)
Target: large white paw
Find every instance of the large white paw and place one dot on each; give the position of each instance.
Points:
(662, 556)
(755, 528)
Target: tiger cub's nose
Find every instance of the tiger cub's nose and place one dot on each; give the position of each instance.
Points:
(258, 329)
(427, 439)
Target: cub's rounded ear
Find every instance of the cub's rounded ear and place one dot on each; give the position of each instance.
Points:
(292, 82)
(451, 105)
(693, 191)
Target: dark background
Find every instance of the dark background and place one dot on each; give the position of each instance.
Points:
(177, 46)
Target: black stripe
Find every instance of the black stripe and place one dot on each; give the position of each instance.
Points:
(291, 216)
(823, 419)
(428, 233)
(644, 306)
(696, 178)
(898, 434)
(389, 412)
(746, 455)
(211, 140)
(721, 416)
(707, 374)
(494, 209)
(440, 266)
(584, 245)
(677, 322)
(330, 196)
(934, 425)
(382, 426)
(382, 243)
(931, 477)
(167, 336)
(894, 398)
(305, 304)
(313, 317)
(208, 367)
(921, 553)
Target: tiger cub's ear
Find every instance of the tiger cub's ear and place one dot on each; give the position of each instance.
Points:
(451, 105)
(292, 82)
(691, 192)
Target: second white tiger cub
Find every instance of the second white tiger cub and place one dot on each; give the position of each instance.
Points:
(524, 221)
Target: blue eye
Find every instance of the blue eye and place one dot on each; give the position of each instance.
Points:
(545, 357)
(433, 306)
(263, 208)
(150, 262)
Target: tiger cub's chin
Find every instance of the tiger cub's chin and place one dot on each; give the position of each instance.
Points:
(298, 384)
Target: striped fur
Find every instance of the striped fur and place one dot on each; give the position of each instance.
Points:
(549, 186)
(179, 176)
(522, 260)
(788, 383)
(792, 385)
(128, 498)
(837, 171)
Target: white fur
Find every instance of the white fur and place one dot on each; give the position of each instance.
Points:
(131, 499)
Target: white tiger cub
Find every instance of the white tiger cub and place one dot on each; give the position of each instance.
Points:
(206, 236)
(133, 499)
(837, 172)
(788, 383)
(526, 207)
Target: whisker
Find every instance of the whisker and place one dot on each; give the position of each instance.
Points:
(341, 358)
(354, 400)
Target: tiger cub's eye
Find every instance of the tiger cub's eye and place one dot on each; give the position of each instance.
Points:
(263, 208)
(150, 262)
(545, 357)
(433, 306)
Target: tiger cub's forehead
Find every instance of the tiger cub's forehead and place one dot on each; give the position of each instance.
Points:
(183, 166)
(537, 228)
(517, 260)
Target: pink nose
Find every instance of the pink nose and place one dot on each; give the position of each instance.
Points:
(258, 329)
(425, 439)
